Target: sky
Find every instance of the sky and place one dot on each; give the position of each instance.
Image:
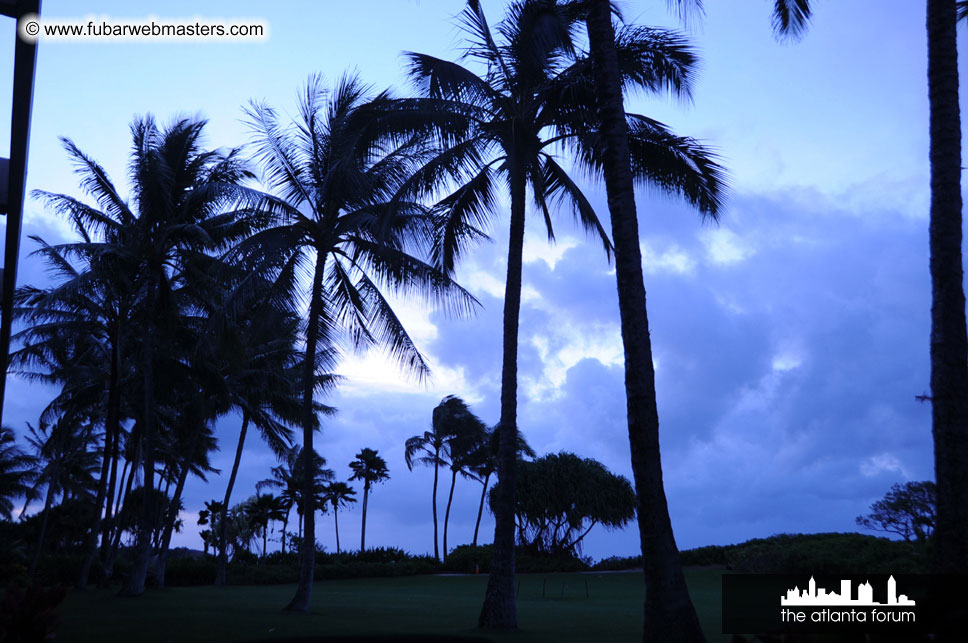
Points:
(790, 339)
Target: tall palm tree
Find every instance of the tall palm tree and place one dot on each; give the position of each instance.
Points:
(428, 449)
(949, 341)
(669, 613)
(177, 212)
(369, 467)
(338, 211)
(537, 98)
(16, 472)
(464, 434)
(338, 494)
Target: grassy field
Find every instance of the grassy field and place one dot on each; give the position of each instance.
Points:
(551, 607)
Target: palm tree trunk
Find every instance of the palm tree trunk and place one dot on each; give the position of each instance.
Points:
(265, 538)
(480, 509)
(336, 518)
(112, 553)
(436, 549)
(135, 583)
(307, 553)
(114, 411)
(285, 525)
(450, 499)
(172, 517)
(669, 613)
(499, 609)
(43, 529)
(949, 345)
(111, 437)
(220, 569)
(366, 496)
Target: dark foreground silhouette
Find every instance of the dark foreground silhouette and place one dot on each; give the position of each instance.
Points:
(380, 638)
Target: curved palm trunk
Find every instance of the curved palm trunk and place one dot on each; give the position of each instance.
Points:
(172, 516)
(307, 552)
(480, 509)
(669, 613)
(43, 529)
(949, 345)
(220, 570)
(436, 549)
(499, 609)
(336, 518)
(135, 583)
(366, 497)
(450, 499)
(112, 553)
(112, 436)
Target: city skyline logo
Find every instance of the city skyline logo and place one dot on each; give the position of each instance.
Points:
(818, 596)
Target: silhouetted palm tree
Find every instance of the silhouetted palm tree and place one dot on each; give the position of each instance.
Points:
(464, 434)
(263, 509)
(484, 465)
(337, 210)
(288, 479)
(370, 468)
(428, 449)
(537, 97)
(177, 212)
(669, 613)
(16, 472)
(949, 341)
(338, 494)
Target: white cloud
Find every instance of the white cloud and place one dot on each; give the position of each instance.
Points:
(672, 259)
(882, 463)
(724, 247)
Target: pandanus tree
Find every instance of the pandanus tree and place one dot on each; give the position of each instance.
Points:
(370, 468)
(504, 128)
(178, 211)
(336, 212)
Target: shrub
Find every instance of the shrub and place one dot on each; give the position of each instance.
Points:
(185, 571)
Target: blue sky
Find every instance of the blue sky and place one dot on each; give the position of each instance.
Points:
(790, 340)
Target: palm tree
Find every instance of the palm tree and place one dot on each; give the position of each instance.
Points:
(371, 469)
(262, 510)
(93, 305)
(669, 613)
(337, 182)
(464, 435)
(180, 193)
(288, 478)
(210, 515)
(428, 449)
(535, 98)
(67, 459)
(949, 341)
(16, 472)
(484, 465)
(338, 494)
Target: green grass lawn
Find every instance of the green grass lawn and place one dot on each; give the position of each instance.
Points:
(445, 606)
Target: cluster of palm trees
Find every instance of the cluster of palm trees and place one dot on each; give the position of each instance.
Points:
(199, 295)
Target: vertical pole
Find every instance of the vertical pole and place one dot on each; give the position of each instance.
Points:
(24, 64)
